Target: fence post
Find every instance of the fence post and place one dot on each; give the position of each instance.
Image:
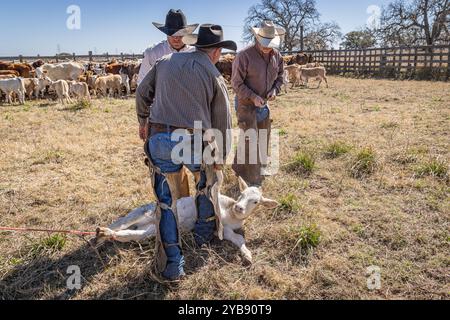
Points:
(448, 64)
(74, 57)
(302, 45)
(57, 59)
(107, 56)
(21, 59)
(121, 56)
(90, 56)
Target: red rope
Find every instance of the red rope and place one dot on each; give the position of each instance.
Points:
(25, 230)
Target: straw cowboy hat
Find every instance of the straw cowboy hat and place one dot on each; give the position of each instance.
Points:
(268, 35)
(176, 24)
(209, 36)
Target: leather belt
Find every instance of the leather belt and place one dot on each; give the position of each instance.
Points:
(156, 128)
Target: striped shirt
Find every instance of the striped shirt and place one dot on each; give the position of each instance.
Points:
(183, 88)
(153, 54)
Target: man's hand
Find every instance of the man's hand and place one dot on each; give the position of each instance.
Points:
(272, 95)
(143, 132)
(259, 102)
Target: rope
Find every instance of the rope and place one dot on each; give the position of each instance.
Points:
(28, 230)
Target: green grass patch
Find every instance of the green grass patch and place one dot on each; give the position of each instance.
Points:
(81, 104)
(50, 156)
(337, 149)
(434, 167)
(302, 163)
(307, 236)
(51, 244)
(364, 163)
(289, 204)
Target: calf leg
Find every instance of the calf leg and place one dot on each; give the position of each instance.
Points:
(239, 241)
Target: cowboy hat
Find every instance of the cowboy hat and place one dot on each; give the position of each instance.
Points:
(209, 36)
(268, 35)
(176, 24)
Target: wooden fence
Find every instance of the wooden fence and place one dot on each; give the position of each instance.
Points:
(422, 62)
(73, 57)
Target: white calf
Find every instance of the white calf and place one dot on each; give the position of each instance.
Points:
(79, 90)
(62, 90)
(16, 85)
(140, 224)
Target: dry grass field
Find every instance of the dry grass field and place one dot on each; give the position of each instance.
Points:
(364, 182)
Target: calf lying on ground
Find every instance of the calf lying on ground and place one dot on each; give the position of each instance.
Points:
(140, 224)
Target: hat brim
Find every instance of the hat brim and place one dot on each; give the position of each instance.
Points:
(273, 43)
(269, 43)
(176, 32)
(191, 39)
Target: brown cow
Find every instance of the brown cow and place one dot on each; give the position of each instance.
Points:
(299, 58)
(9, 72)
(23, 69)
(37, 64)
(225, 66)
(113, 67)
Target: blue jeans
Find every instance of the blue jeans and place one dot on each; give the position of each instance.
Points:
(261, 113)
(161, 147)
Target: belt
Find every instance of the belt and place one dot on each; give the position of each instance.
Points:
(156, 128)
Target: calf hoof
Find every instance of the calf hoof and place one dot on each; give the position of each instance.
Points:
(104, 234)
(248, 258)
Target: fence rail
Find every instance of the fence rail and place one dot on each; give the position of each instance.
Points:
(89, 57)
(427, 62)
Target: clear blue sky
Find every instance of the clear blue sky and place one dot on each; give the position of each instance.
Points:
(116, 26)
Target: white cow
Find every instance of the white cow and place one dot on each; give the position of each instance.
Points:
(61, 71)
(62, 90)
(43, 83)
(8, 86)
(140, 223)
(79, 90)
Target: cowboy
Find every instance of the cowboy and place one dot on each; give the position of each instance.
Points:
(175, 26)
(184, 88)
(256, 79)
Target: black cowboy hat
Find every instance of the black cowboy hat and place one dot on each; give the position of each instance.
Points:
(176, 24)
(209, 36)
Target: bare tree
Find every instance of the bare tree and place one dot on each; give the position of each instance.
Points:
(361, 39)
(416, 22)
(323, 36)
(291, 15)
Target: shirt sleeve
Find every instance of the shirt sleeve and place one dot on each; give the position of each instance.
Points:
(238, 77)
(280, 79)
(221, 115)
(145, 68)
(145, 95)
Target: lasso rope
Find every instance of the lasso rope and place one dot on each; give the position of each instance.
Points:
(28, 230)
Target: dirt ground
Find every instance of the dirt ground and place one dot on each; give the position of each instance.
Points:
(364, 183)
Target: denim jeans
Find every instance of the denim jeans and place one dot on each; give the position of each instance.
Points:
(261, 113)
(161, 147)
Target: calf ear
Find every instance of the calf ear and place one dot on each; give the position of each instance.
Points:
(268, 203)
(242, 184)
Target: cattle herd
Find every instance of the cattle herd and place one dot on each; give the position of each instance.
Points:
(80, 80)
(66, 80)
